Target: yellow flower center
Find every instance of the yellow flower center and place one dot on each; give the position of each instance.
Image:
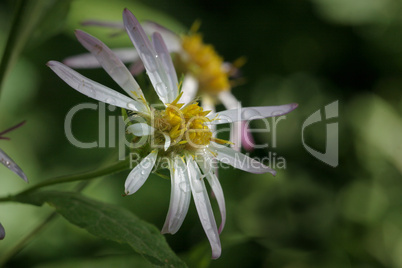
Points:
(205, 64)
(185, 126)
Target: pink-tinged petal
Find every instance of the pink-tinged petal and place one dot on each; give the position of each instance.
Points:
(171, 39)
(203, 206)
(189, 89)
(251, 113)
(179, 197)
(238, 160)
(149, 57)
(95, 90)
(2, 232)
(136, 67)
(11, 165)
(140, 173)
(167, 63)
(247, 139)
(111, 64)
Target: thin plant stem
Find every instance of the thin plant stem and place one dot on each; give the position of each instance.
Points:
(24, 242)
(21, 244)
(12, 39)
(113, 168)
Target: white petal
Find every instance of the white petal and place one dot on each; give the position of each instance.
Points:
(10, 164)
(140, 129)
(251, 113)
(203, 206)
(229, 100)
(168, 141)
(209, 105)
(89, 61)
(189, 89)
(171, 39)
(111, 64)
(167, 63)
(235, 135)
(148, 55)
(179, 197)
(238, 160)
(217, 190)
(95, 90)
(140, 173)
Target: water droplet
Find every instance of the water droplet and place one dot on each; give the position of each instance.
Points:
(184, 187)
(160, 88)
(143, 172)
(131, 106)
(110, 101)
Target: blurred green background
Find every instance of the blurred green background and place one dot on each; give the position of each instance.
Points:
(310, 215)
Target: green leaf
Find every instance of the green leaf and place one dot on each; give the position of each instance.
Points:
(109, 222)
(122, 261)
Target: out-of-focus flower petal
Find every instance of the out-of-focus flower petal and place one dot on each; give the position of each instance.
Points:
(189, 89)
(2, 232)
(111, 64)
(140, 173)
(89, 61)
(148, 55)
(95, 90)
(164, 55)
(238, 160)
(10, 164)
(171, 39)
(229, 100)
(251, 113)
(179, 197)
(203, 206)
(140, 129)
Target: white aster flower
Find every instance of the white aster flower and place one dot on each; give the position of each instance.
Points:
(206, 74)
(180, 133)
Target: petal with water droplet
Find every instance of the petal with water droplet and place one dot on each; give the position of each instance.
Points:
(10, 164)
(140, 173)
(250, 113)
(238, 160)
(93, 89)
(111, 63)
(203, 206)
(180, 196)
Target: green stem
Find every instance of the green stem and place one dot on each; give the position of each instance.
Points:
(21, 244)
(8, 53)
(116, 167)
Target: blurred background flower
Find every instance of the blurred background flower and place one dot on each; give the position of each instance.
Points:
(311, 52)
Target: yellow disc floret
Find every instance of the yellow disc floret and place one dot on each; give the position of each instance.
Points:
(185, 126)
(205, 64)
